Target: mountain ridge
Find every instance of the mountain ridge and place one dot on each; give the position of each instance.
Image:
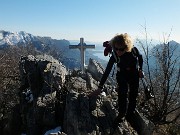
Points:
(71, 57)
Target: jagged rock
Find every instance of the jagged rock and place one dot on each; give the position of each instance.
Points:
(99, 112)
(81, 82)
(61, 100)
(145, 125)
(78, 119)
(53, 74)
(78, 84)
(45, 77)
(30, 74)
(94, 116)
(91, 82)
(95, 69)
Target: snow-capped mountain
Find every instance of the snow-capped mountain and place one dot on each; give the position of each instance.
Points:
(23, 39)
(16, 38)
(20, 39)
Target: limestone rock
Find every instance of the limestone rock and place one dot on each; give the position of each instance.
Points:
(60, 98)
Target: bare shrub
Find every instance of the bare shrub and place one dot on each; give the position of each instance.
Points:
(164, 80)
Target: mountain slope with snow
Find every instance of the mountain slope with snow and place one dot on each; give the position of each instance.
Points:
(69, 57)
(15, 38)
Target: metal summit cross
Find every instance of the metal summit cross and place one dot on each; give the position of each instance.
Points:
(82, 47)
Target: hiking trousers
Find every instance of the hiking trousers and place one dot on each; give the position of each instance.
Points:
(128, 84)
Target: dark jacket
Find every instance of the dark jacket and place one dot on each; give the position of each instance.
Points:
(128, 61)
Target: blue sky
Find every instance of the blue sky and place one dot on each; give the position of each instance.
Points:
(95, 20)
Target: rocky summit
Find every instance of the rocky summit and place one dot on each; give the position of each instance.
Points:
(52, 96)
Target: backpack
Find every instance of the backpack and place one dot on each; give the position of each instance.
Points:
(108, 48)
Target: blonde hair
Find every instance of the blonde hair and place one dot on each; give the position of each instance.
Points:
(122, 40)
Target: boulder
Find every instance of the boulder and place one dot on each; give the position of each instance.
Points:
(45, 77)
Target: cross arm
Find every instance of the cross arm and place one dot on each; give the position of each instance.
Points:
(74, 46)
(89, 46)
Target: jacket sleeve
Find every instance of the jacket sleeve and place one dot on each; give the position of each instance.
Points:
(140, 59)
(107, 71)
